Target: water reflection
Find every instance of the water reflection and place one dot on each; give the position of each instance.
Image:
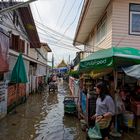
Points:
(42, 118)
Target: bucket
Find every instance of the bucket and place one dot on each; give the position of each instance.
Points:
(128, 118)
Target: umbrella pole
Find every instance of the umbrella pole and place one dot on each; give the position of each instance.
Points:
(17, 83)
(16, 103)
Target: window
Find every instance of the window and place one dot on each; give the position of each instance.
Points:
(22, 46)
(14, 42)
(135, 19)
(17, 44)
(101, 29)
(1, 77)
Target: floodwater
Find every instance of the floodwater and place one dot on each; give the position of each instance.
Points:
(42, 118)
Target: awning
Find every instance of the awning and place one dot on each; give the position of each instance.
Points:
(133, 71)
(110, 58)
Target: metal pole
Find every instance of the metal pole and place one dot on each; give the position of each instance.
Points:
(52, 62)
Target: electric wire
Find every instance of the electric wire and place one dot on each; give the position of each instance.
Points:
(61, 12)
(72, 21)
(68, 14)
(38, 12)
(51, 43)
(47, 33)
(47, 42)
(53, 31)
(57, 32)
(53, 37)
(59, 43)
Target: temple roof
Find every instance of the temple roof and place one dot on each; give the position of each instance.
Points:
(62, 64)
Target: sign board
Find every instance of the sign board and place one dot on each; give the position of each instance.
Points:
(3, 99)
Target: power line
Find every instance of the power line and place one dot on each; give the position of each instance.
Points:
(38, 13)
(74, 19)
(54, 32)
(7, 25)
(68, 47)
(71, 23)
(60, 46)
(52, 37)
(60, 43)
(47, 33)
(53, 40)
(61, 12)
(68, 14)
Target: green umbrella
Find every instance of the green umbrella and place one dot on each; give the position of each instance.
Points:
(18, 75)
(19, 72)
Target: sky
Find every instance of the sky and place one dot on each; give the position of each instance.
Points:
(56, 22)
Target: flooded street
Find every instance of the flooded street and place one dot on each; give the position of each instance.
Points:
(42, 118)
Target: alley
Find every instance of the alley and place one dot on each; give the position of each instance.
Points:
(42, 118)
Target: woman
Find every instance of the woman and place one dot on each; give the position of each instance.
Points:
(105, 109)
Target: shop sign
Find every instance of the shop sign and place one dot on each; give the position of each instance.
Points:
(97, 63)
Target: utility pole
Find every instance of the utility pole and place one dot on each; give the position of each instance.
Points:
(16, 6)
(52, 62)
(69, 59)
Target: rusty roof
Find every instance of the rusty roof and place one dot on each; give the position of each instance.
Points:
(29, 25)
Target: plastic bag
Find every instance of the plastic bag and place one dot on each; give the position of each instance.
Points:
(104, 123)
(94, 133)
